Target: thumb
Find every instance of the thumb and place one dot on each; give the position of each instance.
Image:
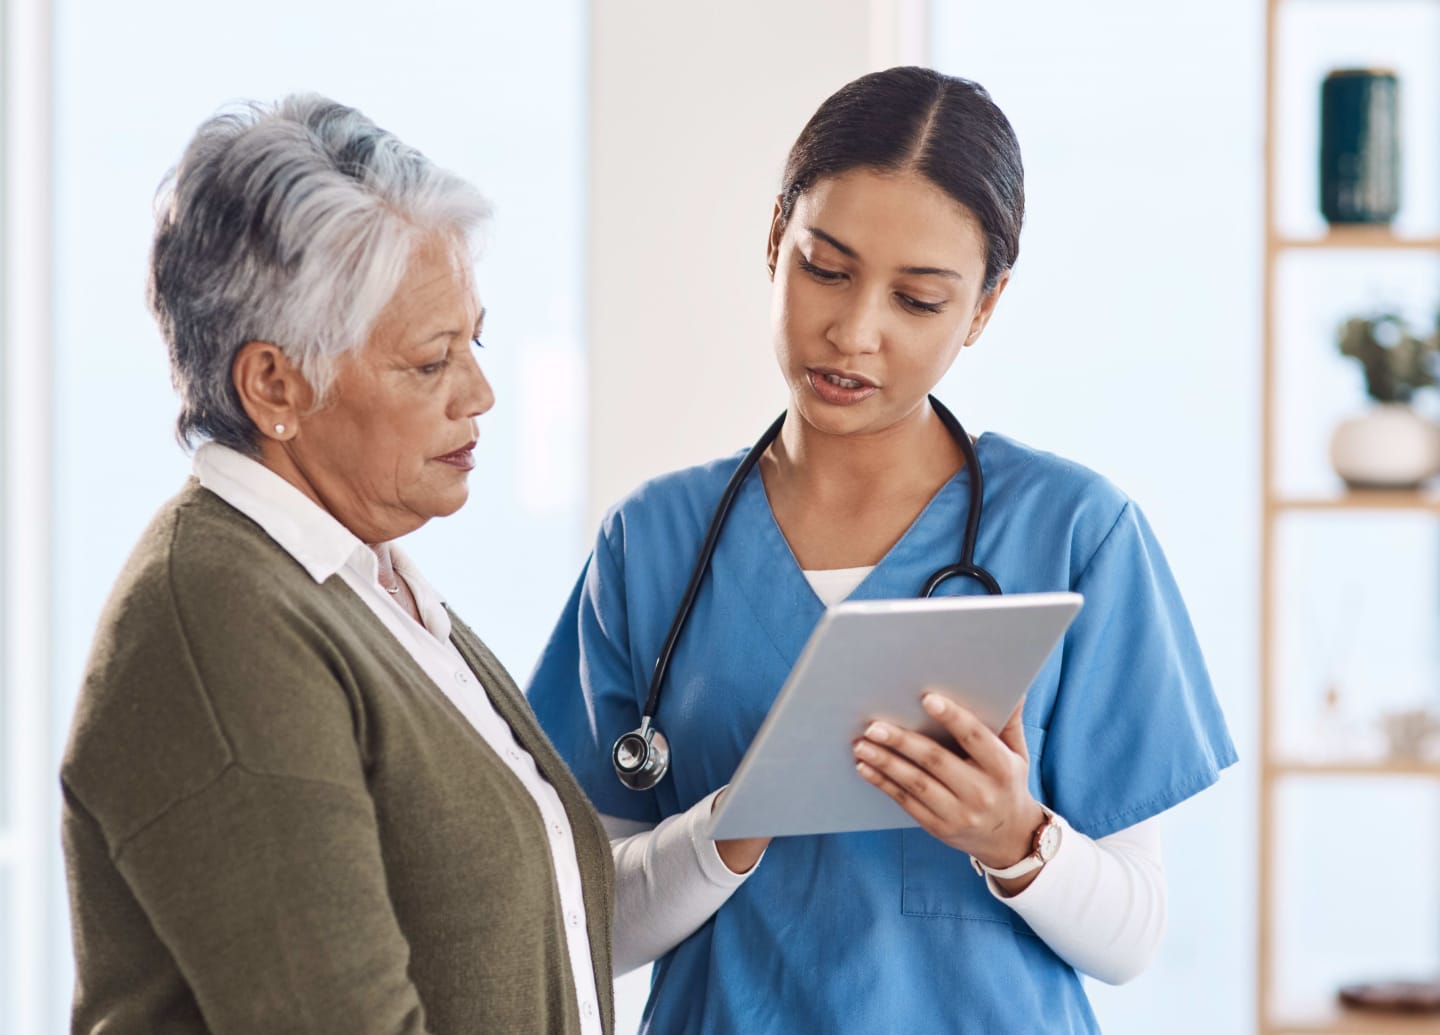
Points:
(1012, 734)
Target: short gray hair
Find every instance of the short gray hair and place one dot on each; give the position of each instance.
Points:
(293, 224)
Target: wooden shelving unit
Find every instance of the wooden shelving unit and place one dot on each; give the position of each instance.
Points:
(1358, 238)
(1339, 1021)
(1277, 768)
(1373, 499)
(1352, 767)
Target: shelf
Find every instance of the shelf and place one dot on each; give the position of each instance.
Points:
(1362, 499)
(1336, 1020)
(1354, 767)
(1356, 237)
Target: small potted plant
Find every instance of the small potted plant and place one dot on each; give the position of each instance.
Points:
(1390, 446)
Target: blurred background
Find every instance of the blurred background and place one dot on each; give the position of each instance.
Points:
(1174, 322)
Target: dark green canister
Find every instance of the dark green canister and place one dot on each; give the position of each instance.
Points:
(1359, 146)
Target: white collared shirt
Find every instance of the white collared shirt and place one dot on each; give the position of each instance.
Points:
(325, 548)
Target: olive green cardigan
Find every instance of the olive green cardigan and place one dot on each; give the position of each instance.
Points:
(275, 822)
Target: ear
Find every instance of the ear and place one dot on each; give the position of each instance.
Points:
(271, 388)
(986, 307)
(772, 246)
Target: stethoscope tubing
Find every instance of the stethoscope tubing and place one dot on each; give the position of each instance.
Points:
(649, 760)
(702, 562)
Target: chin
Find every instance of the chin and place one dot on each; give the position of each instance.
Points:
(450, 503)
(832, 420)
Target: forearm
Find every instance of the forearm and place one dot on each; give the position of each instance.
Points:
(1100, 904)
(668, 881)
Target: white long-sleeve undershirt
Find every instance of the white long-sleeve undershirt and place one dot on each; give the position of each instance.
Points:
(1099, 904)
(669, 879)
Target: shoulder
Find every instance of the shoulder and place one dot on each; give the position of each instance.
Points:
(210, 629)
(195, 536)
(1051, 495)
(201, 571)
(675, 504)
(1014, 466)
(209, 537)
(195, 544)
(207, 567)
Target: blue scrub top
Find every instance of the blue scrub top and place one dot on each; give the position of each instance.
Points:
(888, 930)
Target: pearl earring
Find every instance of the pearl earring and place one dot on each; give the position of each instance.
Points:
(279, 429)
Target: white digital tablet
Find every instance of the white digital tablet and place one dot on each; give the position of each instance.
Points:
(869, 660)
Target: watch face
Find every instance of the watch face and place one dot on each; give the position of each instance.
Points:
(1049, 840)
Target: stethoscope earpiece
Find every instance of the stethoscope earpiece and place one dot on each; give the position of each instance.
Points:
(641, 757)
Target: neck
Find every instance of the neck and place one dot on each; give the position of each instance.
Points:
(916, 453)
(366, 524)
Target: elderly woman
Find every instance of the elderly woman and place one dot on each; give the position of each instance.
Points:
(300, 795)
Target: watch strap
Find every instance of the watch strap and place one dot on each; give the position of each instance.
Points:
(1031, 862)
(1026, 865)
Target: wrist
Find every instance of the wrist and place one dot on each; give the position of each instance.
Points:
(1018, 842)
(741, 854)
(1044, 843)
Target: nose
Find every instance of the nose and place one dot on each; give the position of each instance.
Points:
(857, 325)
(474, 395)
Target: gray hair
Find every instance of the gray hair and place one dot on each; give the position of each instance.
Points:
(292, 224)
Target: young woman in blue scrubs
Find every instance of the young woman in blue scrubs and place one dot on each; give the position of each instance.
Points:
(1038, 856)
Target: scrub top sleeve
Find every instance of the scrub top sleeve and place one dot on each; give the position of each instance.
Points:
(1135, 726)
(583, 689)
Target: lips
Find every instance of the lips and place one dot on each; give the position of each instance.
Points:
(844, 378)
(840, 387)
(463, 458)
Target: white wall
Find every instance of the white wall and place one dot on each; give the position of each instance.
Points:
(693, 108)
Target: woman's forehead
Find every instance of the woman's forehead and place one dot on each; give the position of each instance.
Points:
(436, 296)
(884, 216)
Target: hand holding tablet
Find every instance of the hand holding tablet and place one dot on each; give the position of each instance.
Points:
(872, 660)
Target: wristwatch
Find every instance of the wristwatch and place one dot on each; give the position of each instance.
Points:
(1043, 847)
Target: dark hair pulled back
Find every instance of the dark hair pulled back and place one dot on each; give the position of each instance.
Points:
(946, 128)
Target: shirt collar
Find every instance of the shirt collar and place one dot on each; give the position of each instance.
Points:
(430, 603)
(299, 525)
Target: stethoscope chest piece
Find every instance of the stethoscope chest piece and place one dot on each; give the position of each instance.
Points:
(641, 757)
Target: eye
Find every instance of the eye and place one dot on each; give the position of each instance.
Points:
(915, 305)
(820, 273)
(431, 369)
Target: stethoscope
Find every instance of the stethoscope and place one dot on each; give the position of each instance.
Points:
(642, 756)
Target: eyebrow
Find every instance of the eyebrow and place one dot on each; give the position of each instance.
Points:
(836, 243)
(846, 250)
(450, 333)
